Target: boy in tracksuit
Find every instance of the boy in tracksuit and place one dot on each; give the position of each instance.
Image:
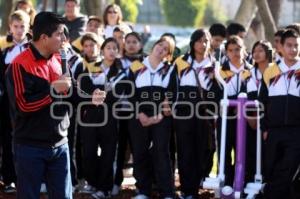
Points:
(280, 93)
(235, 72)
(74, 62)
(11, 46)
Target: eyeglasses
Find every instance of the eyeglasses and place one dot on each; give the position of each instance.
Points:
(112, 12)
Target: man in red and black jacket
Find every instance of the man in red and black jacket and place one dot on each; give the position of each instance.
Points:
(38, 93)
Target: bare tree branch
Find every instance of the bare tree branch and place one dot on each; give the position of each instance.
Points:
(275, 7)
(246, 13)
(267, 19)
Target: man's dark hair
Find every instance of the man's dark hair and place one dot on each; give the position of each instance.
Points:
(287, 34)
(46, 23)
(217, 29)
(235, 29)
(294, 26)
(279, 33)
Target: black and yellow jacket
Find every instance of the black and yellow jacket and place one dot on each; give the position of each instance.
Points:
(193, 81)
(150, 86)
(74, 62)
(280, 94)
(253, 83)
(235, 79)
(110, 80)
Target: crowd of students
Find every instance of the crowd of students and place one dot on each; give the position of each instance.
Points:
(165, 99)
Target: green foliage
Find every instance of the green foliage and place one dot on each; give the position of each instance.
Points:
(214, 14)
(201, 6)
(130, 10)
(184, 12)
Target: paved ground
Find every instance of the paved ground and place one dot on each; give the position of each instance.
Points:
(128, 190)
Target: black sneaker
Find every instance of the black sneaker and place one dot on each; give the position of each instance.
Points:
(11, 188)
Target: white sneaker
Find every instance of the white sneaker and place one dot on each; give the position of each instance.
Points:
(11, 188)
(88, 189)
(141, 196)
(98, 195)
(43, 188)
(80, 186)
(115, 190)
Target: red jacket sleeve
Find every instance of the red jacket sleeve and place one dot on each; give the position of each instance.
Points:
(27, 97)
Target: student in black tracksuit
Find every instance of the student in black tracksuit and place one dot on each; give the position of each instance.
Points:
(234, 71)
(99, 124)
(190, 128)
(173, 151)
(90, 60)
(133, 52)
(280, 93)
(262, 55)
(74, 62)
(11, 46)
(149, 129)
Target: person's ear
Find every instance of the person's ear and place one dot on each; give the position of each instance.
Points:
(44, 38)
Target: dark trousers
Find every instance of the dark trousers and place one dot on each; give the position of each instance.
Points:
(150, 147)
(250, 154)
(282, 158)
(123, 143)
(8, 169)
(190, 150)
(72, 138)
(75, 146)
(296, 184)
(230, 145)
(99, 170)
(209, 147)
(173, 149)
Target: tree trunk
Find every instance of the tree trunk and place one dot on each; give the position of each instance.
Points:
(246, 13)
(93, 7)
(275, 7)
(258, 28)
(267, 19)
(55, 5)
(45, 3)
(87, 6)
(7, 8)
(118, 2)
